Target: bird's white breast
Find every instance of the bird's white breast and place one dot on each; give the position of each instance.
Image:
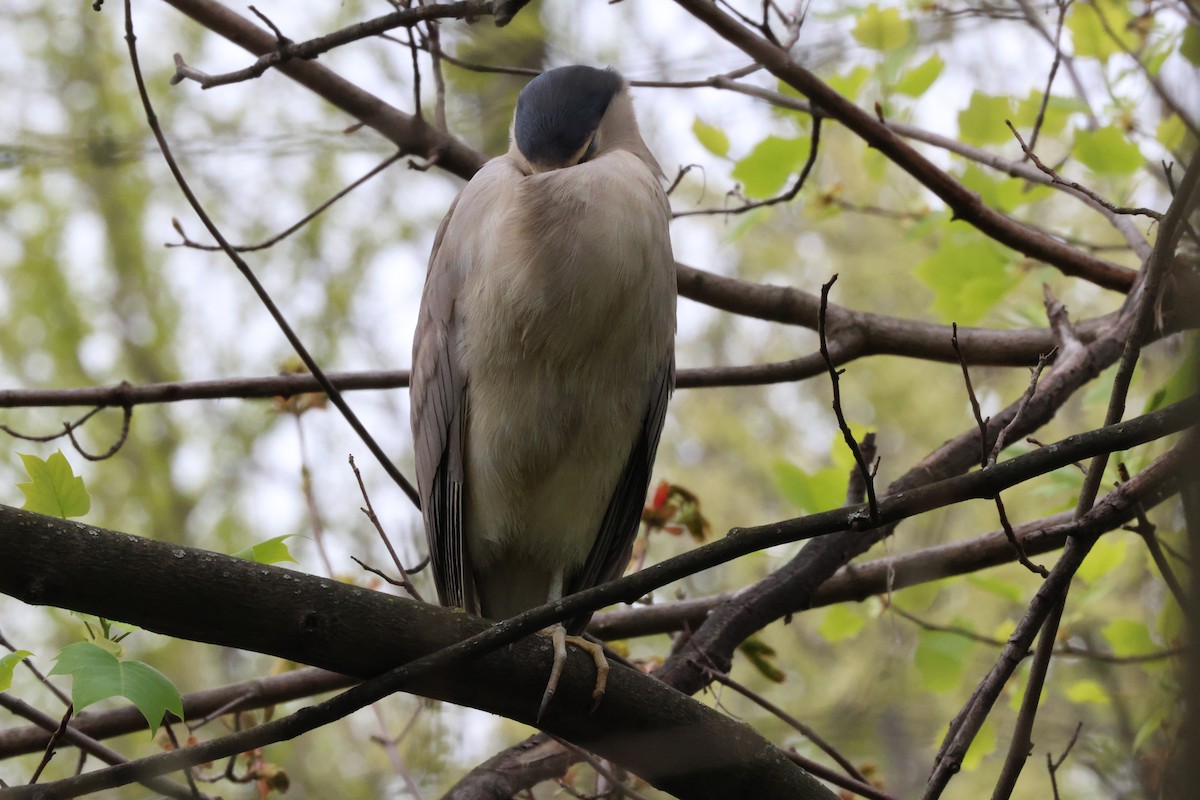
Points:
(568, 313)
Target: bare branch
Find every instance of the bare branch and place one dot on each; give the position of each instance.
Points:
(285, 50)
(244, 268)
(1027, 149)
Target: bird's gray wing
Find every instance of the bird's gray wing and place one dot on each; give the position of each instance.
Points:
(618, 530)
(438, 399)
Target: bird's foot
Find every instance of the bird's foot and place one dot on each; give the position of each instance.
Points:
(560, 640)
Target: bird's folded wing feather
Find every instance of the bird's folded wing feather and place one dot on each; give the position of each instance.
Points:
(610, 554)
(438, 398)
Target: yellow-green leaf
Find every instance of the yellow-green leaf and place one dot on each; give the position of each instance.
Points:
(1107, 151)
(882, 29)
(769, 165)
(1105, 556)
(981, 747)
(272, 551)
(850, 84)
(940, 659)
(1177, 387)
(917, 80)
(1154, 723)
(9, 663)
(997, 586)
(1189, 48)
(54, 490)
(1003, 193)
(711, 137)
(1054, 119)
(1172, 133)
(1169, 625)
(1128, 637)
(811, 491)
(968, 279)
(1087, 690)
(982, 121)
(841, 622)
(1087, 21)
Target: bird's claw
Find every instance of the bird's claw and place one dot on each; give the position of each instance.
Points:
(559, 639)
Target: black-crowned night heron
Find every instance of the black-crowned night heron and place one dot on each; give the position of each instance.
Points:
(544, 358)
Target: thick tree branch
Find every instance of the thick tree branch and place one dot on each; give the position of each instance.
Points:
(855, 582)
(194, 593)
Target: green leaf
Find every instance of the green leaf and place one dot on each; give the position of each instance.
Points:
(983, 745)
(8, 664)
(1005, 194)
(997, 586)
(982, 121)
(1105, 556)
(711, 137)
(1054, 120)
(917, 80)
(1153, 724)
(1087, 21)
(1169, 625)
(1189, 48)
(769, 165)
(761, 656)
(1177, 387)
(968, 278)
(1128, 637)
(941, 659)
(1172, 133)
(918, 598)
(97, 674)
(1087, 690)
(841, 622)
(272, 551)
(811, 492)
(54, 490)
(882, 29)
(1107, 151)
(850, 84)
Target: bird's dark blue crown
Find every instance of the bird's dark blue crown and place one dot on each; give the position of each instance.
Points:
(559, 110)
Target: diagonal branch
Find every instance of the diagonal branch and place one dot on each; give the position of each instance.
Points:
(964, 203)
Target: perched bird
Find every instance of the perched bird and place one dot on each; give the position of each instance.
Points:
(544, 357)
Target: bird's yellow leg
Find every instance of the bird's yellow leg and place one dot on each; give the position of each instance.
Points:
(559, 639)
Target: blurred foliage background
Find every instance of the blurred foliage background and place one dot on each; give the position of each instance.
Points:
(95, 290)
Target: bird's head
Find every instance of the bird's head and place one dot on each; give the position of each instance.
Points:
(572, 115)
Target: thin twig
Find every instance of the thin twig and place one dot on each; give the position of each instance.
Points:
(1149, 534)
(307, 218)
(790, 194)
(1058, 55)
(1053, 764)
(369, 510)
(1021, 744)
(847, 434)
(283, 325)
(1076, 186)
(69, 428)
(987, 459)
(53, 743)
(804, 730)
(287, 50)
